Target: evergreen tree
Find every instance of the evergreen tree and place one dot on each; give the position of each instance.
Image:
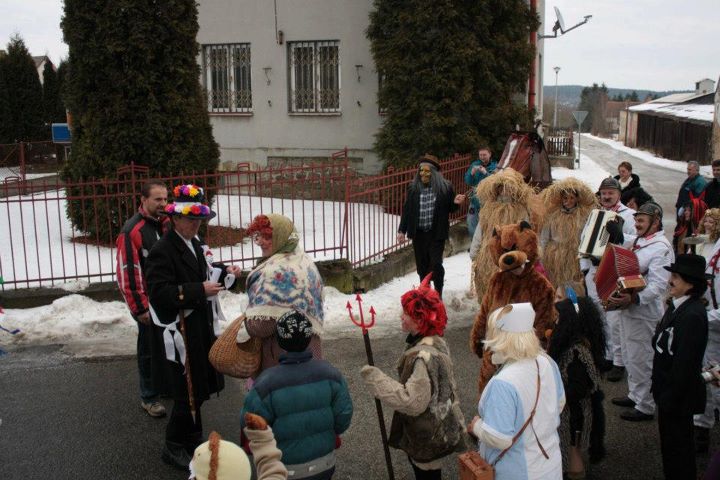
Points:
(24, 95)
(633, 97)
(134, 93)
(449, 72)
(5, 119)
(53, 108)
(594, 100)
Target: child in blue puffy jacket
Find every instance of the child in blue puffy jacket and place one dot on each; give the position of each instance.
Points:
(305, 400)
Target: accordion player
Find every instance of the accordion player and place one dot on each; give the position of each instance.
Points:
(618, 272)
(595, 236)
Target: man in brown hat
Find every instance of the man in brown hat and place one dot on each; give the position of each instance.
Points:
(426, 218)
(183, 283)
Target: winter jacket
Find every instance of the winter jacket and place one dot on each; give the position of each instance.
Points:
(136, 238)
(307, 403)
(428, 423)
(444, 206)
(634, 182)
(694, 185)
(473, 179)
(679, 344)
(712, 193)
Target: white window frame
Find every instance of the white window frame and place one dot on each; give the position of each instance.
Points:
(317, 76)
(229, 84)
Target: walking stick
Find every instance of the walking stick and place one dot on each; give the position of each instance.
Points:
(188, 374)
(368, 351)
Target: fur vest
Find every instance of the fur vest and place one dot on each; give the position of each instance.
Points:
(439, 430)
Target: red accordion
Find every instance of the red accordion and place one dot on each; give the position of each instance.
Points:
(618, 271)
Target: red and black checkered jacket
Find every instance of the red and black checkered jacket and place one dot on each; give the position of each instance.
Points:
(136, 238)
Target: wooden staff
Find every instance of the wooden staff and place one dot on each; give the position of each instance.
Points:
(188, 374)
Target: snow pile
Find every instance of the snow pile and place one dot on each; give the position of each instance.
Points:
(78, 320)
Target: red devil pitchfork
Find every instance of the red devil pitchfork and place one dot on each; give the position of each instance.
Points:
(368, 350)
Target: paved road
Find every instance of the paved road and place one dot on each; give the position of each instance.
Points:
(662, 183)
(69, 419)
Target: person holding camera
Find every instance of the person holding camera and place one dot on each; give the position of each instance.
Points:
(677, 384)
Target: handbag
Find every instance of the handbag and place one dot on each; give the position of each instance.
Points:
(473, 466)
(239, 360)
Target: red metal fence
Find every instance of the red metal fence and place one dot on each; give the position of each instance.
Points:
(27, 160)
(338, 214)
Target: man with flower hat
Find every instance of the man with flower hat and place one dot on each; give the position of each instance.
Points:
(183, 282)
(428, 424)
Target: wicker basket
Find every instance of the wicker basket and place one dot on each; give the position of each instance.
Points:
(239, 360)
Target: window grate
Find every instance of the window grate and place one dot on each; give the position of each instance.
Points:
(314, 76)
(226, 71)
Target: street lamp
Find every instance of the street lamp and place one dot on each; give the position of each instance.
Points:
(557, 70)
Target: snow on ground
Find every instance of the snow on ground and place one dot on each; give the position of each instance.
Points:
(588, 171)
(649, 157)
(93, 328)
(14, 172)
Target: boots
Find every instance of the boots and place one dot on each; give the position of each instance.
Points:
(702, 439)
(175, 455)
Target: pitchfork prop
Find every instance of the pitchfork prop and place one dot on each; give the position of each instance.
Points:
(368, 350)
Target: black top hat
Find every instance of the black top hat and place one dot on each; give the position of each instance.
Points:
(690, 266)
(431, 159)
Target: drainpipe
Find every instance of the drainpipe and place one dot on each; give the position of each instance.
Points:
(533, 64)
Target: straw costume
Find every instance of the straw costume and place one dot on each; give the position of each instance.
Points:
(561, 231)
(505, 199)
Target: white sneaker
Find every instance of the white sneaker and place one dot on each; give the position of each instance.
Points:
(154, 409)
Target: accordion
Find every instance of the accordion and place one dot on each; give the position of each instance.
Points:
(595, 237)
(618, 272)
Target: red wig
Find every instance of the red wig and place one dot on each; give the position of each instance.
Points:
(426, 308)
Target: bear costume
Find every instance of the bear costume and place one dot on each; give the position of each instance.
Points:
(513, 247)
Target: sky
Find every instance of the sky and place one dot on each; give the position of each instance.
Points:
(640, 44)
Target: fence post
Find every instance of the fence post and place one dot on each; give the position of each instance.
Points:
(22, 161)
(346, 222)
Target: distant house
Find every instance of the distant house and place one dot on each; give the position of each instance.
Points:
(40, 65)
(677, 126)
(291, 82)
(612, 114)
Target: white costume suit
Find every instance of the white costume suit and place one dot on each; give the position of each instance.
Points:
(711, 252)
(638, 322)
(612, 318)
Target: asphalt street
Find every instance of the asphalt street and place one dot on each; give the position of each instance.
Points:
(64, 418)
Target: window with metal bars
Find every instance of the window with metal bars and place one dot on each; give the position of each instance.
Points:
(226, 72)
(314, 76)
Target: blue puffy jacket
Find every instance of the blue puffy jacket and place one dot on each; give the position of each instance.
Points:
(306, 402)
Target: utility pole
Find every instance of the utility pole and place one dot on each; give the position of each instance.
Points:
(557, 70)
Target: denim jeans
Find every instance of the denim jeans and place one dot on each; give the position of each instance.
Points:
(148, 390)
(472, 221)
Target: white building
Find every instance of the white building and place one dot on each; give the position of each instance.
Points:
(293, 81)
(40, 62)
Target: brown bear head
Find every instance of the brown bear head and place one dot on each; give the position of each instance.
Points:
(518, 238)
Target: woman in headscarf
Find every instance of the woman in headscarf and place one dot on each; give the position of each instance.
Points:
(285, 278)
(568, 204)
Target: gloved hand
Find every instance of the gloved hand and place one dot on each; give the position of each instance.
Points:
(614, 228)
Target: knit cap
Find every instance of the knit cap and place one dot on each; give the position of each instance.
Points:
(294, 331)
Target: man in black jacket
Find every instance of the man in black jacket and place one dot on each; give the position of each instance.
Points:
(183, 283)
(712, 189)
(426, 218)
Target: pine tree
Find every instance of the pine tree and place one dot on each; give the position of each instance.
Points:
(53, 108)
(5, 119)
(134, 93)
(449, 72)
(594, 100)
(24, 95)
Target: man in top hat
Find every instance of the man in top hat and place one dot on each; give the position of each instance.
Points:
(609, 194)
(426, 218)
(183, 283)
(134, 243)
(641, 311)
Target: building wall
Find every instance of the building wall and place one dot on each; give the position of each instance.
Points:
(270, 131)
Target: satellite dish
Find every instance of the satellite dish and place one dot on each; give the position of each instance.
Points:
(560, 21)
